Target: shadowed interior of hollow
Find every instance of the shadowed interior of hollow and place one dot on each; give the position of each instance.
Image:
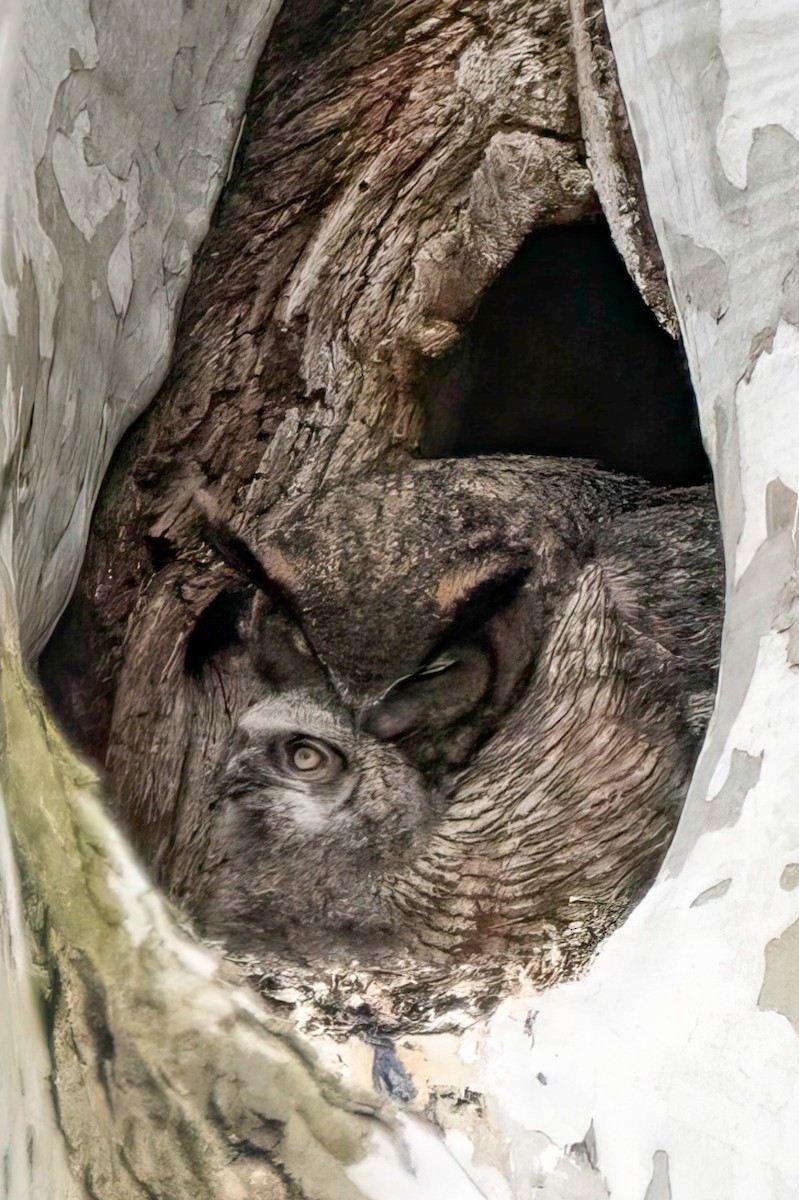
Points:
(563, 357)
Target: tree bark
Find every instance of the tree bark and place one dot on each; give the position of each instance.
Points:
(360, 229)
(107, 1090)
(391, 165)
(97, 183)
(669, 1068)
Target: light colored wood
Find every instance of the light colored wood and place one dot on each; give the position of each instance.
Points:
(122, 137)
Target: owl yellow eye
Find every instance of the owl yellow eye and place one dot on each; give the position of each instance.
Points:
(311, 758)
(306, 758)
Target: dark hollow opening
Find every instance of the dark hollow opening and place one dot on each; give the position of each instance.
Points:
(563, 357)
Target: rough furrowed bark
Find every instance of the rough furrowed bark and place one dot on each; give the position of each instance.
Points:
(392, 162)
(613, 158)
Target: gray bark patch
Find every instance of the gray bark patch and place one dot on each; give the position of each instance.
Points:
(728, 802)
(780, 990)
(757, 601)
(762, 343)
(781, 504)
(589, 1141)
(660, 1183)
(790, 877)
(712, 893)
(704, 275)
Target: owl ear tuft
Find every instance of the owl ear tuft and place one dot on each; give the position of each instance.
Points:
(487, 597)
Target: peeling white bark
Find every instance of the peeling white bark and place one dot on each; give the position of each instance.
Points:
(122, 138)
(612, 158)
(32, 1151)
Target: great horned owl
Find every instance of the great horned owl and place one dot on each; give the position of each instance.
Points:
(483, 686)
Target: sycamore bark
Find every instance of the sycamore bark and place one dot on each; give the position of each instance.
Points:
(131, 1067)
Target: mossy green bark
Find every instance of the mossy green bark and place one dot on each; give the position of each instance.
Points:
(168, 1081)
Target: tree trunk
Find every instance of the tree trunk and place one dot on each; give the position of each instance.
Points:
(391, 165)
(333, 287)
(120, 1077)
(669, 1064)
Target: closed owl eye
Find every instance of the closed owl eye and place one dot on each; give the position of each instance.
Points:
(439, 693)
(436, 667)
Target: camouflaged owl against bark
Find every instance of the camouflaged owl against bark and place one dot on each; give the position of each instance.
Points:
(569, 766)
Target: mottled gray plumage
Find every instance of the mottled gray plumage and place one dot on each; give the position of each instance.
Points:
(483, 686)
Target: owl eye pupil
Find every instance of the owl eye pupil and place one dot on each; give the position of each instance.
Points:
(306, 757)
(310, 758)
